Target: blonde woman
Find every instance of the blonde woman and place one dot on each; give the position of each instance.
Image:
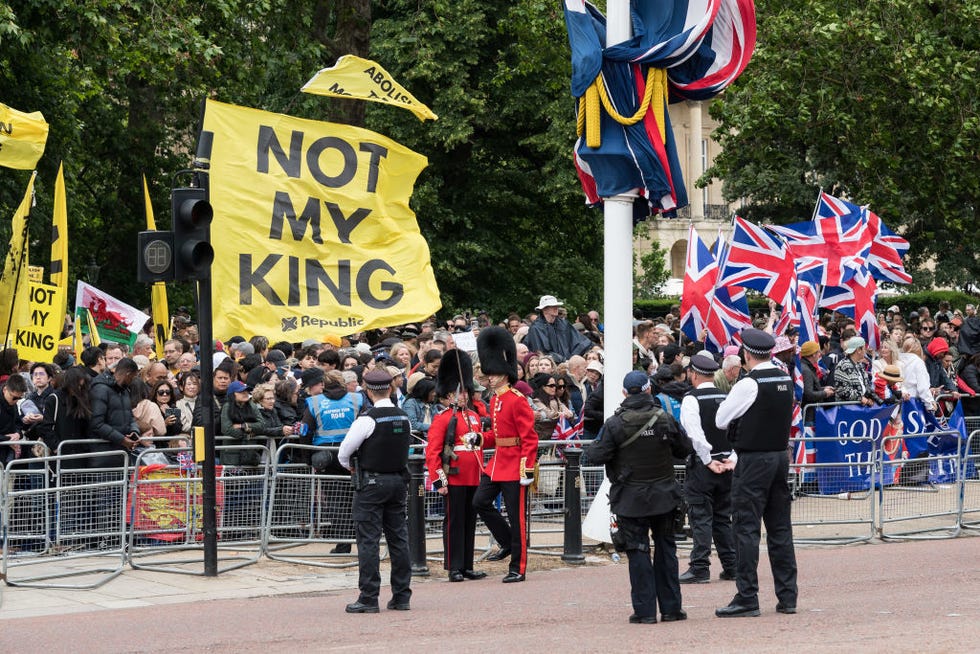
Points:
(914, 372)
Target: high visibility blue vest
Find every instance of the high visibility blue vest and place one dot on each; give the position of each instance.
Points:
(333, 417)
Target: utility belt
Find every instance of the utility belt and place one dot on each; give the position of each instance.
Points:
(513, 441)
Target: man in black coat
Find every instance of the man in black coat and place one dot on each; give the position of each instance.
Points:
(112, 413)
(638, 446)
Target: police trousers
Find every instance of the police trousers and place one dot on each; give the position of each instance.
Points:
(380, 507)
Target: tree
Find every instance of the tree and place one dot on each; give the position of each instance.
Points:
(654, 272)
(874, 101)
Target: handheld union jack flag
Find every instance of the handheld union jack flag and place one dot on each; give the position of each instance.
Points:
(728, 314)
(856, 299)
(828, 251)
(758, 260)
(887, 248)
(565, 430)
(700, 276)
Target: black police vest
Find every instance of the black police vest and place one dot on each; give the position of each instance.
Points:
(765, 426)
(708, 401)
(648, 457)
(386, 450)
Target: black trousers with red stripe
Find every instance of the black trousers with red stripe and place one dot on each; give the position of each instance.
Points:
(459, 528)
(512, 531)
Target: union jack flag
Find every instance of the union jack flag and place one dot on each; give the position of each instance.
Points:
(565, 430)
(728, 314)
(828, 251)
(700, 275)
(856, 299)
(758, 260)
(887, 248)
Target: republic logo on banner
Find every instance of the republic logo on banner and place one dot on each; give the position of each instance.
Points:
(312, 230)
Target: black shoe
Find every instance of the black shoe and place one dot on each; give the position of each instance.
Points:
(341, 548)
(456, 575)
(676, 616)
(361, 607)
(643, 619)
(691, 577)
(727, 575)
(398, 606)
(474, 574)
(513, 578)
(735, 610)
(788, 609)
(499, 555)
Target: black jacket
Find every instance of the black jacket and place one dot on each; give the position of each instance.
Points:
(112, 418)
(640, 497)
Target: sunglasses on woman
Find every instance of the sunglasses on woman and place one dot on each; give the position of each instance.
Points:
(163, 392)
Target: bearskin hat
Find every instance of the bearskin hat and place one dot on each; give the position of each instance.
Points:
(498, 352)
(455, 369)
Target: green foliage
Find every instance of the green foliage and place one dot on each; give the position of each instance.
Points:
(872, 100)
(654, 272)
(931, 299)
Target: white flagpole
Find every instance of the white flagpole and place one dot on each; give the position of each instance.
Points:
(618, 255)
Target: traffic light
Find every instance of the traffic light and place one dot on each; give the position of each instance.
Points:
(192, 214)
(156, 257)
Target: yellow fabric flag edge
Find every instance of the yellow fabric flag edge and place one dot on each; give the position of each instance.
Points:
(364, 79)
(23, 137)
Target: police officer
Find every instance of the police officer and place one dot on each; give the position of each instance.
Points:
(758, 412)
(638, 446)
(708, 485)
(328, 413)
(380, 439)
(515, 443)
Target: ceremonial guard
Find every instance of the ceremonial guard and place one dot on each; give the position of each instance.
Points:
(375, 450)
(708, 486)
(454, 458)
(511, 470)
(638, 447)
(758, 412)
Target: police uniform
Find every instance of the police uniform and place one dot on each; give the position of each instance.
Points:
(708, 493)
(328, 416)
(380, 439)
(459, 427)
(638, 446)
(515, 446)
(758, 413)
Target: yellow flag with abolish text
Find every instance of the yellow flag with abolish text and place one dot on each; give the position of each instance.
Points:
(312, 230)
(363, 79)
(22, 138)
(14, 283)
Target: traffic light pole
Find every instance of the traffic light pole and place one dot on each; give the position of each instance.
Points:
(210, 499)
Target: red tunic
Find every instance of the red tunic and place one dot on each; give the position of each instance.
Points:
(468, 461)
(512, 419)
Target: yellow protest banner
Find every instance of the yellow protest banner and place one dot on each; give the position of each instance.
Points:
(312, 231)
(22, 138)
(14, 293)
(38, 340)
(363, 79)
(35, 274)
(59, 238)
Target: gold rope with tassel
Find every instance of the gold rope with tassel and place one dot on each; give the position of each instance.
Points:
(654, 95)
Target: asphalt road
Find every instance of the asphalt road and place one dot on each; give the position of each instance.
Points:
(881, 597)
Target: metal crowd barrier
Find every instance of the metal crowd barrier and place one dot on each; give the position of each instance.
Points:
(842, 518)
(64, 519)
(970, 516)
(165, 511)
(308, 511)
(910, 500)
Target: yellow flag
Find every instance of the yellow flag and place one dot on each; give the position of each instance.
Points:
(312, 230)
(93, 331)
(22, 138)
(59, 240)
(77, 344)
(14, 284)
(158, 292)
(363, 79)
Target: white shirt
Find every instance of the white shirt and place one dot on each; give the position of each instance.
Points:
(359, 432)
(691, 422)
(916, 378)
(740, 398)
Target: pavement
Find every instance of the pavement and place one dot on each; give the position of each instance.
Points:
(896, 597)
